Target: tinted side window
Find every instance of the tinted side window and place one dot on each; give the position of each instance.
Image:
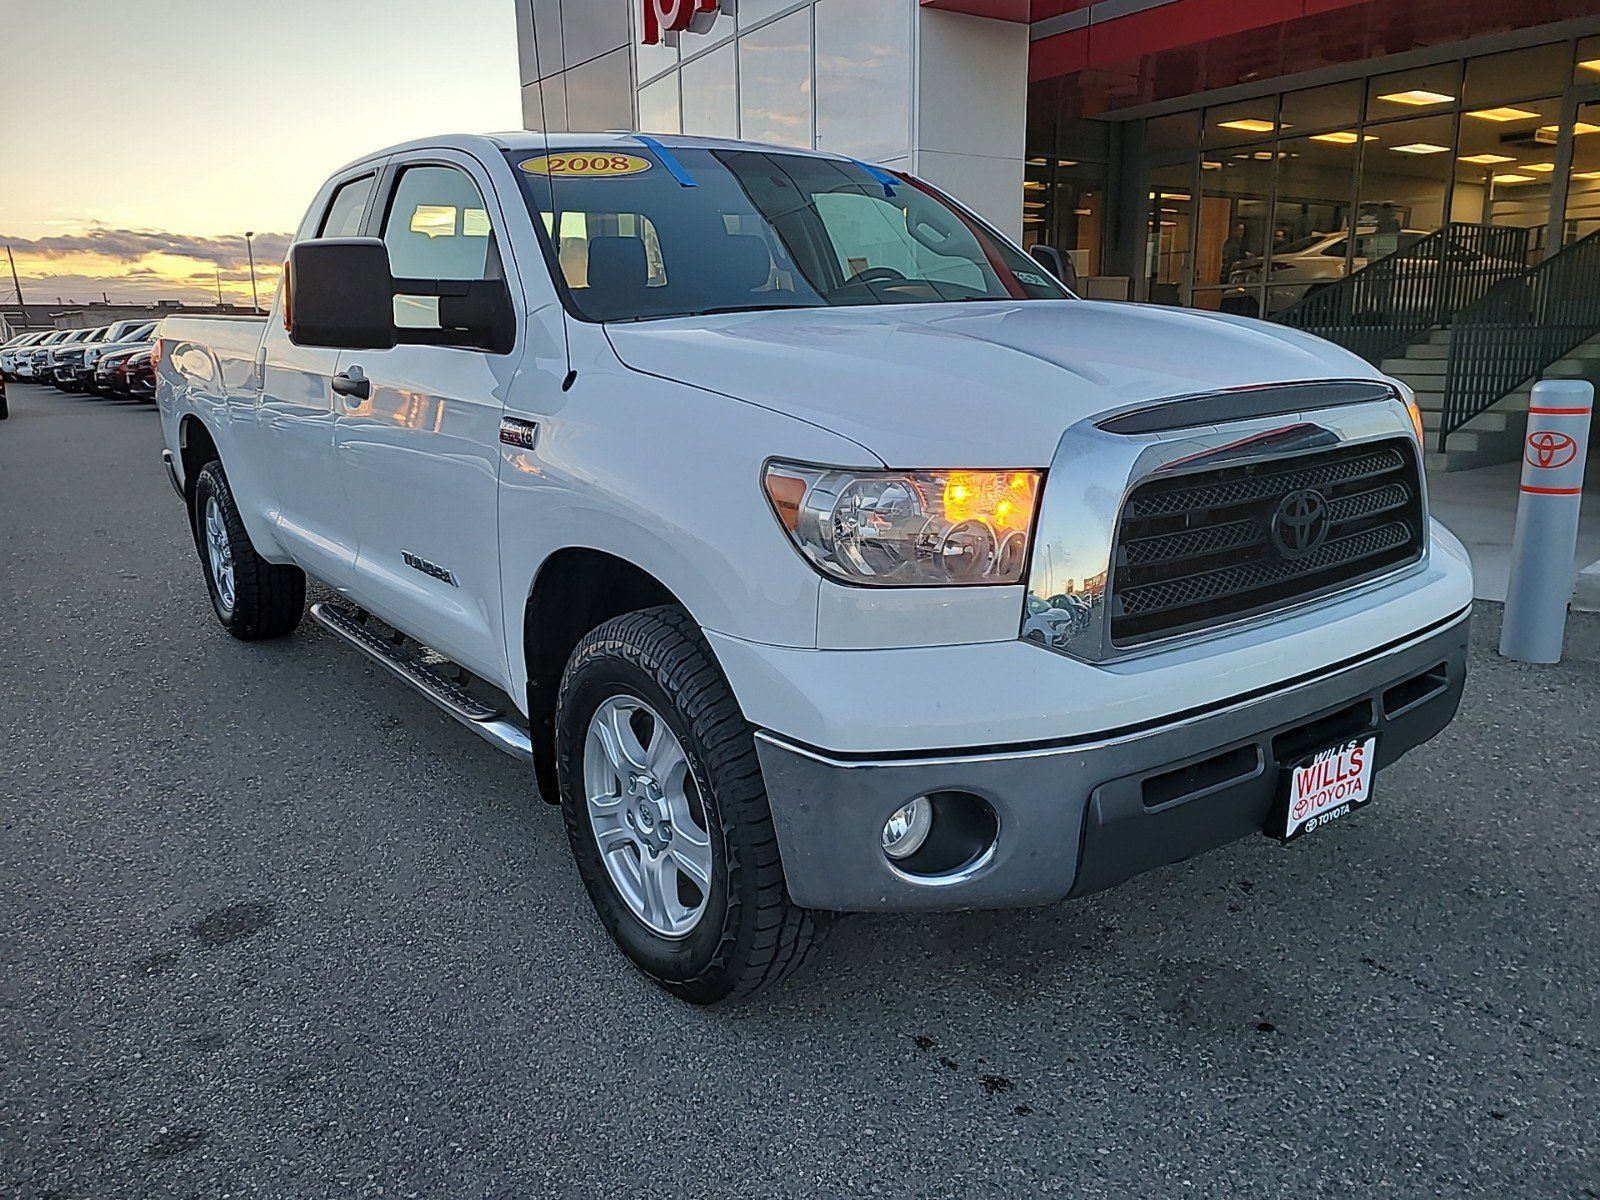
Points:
(438, 227)
(348, 208)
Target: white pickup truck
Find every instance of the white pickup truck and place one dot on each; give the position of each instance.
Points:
(819, 549)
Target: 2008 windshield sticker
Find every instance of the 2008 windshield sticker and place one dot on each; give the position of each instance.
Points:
(586, 164)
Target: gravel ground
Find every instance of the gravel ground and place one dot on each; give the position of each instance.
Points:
(271, 926)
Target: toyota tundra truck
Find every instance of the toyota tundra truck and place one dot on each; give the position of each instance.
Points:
(820, 551)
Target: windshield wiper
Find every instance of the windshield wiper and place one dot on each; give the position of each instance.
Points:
(737, 308)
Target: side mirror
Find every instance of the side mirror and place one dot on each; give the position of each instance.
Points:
(1057, 263)
(339, 294)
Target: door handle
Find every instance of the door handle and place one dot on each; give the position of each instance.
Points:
(353, 384)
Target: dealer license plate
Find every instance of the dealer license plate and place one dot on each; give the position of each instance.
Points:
(1328, 785)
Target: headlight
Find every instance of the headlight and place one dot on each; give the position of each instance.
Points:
(908, 528)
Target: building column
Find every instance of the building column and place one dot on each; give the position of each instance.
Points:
(970, 111)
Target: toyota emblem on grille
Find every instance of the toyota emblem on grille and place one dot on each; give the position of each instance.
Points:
(1299, 524)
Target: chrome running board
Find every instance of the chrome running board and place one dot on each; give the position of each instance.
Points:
(402, 658)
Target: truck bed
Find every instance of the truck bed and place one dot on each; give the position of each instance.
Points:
(216, 355)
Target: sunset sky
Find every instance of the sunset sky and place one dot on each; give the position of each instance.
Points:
(139, 140)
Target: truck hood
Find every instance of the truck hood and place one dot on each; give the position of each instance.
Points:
(985, 384)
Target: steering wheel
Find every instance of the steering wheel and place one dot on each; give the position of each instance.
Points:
(875, 275)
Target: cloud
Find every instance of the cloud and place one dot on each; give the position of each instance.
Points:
(142, 265)
(131, 245)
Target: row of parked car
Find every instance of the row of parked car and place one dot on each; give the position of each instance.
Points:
(112, 360)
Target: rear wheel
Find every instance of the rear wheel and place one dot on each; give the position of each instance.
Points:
(667, 813)
(253, 598)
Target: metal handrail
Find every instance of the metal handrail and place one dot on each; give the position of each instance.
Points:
(1399, 297)
(1518, 329)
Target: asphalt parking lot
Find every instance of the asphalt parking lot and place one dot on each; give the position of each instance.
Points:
(272, 926)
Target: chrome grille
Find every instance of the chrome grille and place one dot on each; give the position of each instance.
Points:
(1194, 550)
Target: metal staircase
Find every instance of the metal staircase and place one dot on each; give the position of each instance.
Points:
(1505, 339)
(1400, 297)
(1494, 433)
(1458, 318)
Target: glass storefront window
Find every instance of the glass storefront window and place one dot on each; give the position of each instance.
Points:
(1587, 71)
(1171, 234)
(1583, 188)
(1037, 175)
(1294, 192)
(658, 106)
(1505, 168)
(1234, 231)
(1311, 219)
(1407, 93)
(775, 82)
(1163, 135)
(864, 77)
(1335, 108)
(1243, 122)
(1496, 79)
(711, 94)
(1405, 181)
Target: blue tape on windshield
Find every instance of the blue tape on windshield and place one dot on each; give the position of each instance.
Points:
(889, 181)
(673, 166)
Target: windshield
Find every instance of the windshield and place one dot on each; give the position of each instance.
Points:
(757, 230)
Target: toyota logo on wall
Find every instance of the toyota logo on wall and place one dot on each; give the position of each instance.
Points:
(1299, 524)
(666, 19)
(1550, 449)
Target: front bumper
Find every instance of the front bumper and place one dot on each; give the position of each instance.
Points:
(1080, 816)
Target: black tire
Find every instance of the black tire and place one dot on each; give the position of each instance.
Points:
(750, 934)
(268, 599)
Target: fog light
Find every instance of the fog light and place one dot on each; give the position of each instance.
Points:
(907, 828)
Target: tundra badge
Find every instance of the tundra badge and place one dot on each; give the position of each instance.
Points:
(428, 568)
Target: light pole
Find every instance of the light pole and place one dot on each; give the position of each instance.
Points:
(255, 301)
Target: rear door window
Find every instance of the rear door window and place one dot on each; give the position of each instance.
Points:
(348, 208)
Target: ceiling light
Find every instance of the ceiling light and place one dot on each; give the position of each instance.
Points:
(1542, 168)
(1579, 127)
(1249, 125)
(1174, 195)
(1502, 114)
(1084, 212)
(1420, 148)
(1418, 98)
(1036, 162)
(1206, 165)
(1033, 185)
(1487, 160)
(1586, 174)
(1343, 138)
(1066, 162)
(1513, 178)
(1592, 64)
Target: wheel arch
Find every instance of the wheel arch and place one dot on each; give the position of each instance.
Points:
(575, 589)
(196, 447)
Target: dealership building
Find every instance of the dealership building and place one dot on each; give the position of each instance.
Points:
(1404, 177)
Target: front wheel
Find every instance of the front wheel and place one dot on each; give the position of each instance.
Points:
(667, 813)
(253, 598)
